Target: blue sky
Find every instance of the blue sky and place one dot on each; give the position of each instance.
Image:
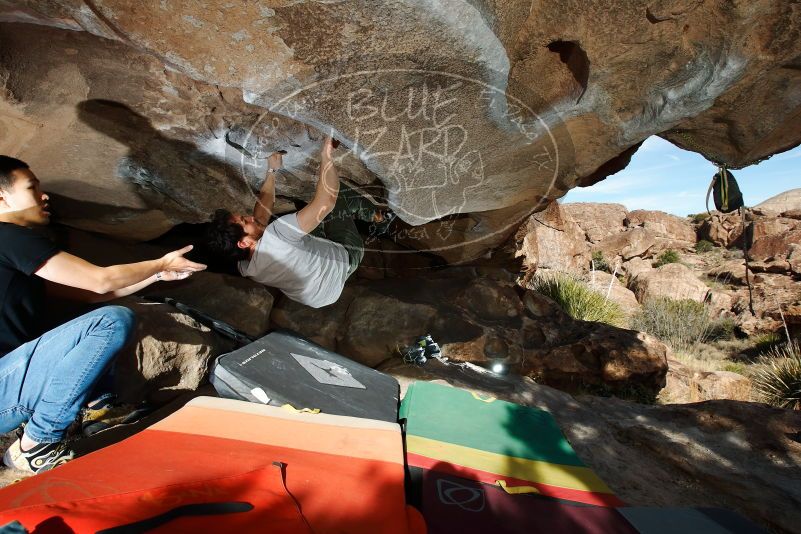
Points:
(661, 176)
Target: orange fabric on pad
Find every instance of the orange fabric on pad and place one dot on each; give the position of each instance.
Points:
(168, 477)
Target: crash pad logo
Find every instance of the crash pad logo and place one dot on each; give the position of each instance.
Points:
(468, 498)
(431, 145)
(326, 372)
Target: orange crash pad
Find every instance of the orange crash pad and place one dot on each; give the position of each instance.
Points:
(219, 465)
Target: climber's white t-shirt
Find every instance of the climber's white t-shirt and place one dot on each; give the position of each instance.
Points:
(307, 269)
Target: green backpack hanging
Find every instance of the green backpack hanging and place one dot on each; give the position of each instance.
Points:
(725, 192)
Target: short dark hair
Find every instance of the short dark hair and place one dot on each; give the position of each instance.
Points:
(8, 164)
(222, 237)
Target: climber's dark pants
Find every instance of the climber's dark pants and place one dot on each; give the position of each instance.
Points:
(339, 227)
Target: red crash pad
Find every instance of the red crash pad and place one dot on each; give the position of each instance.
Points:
(219, 465)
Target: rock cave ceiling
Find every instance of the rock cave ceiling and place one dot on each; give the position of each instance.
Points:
(139, 115)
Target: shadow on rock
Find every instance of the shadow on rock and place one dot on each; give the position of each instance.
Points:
(170, 175)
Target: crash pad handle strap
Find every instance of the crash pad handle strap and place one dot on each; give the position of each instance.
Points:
(516, 490)
(709, 192)
(488, 398)
(282, 470)
(290, 408)
(187, 510)
(724, 188)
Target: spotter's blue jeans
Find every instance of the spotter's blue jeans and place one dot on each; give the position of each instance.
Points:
(47, 381)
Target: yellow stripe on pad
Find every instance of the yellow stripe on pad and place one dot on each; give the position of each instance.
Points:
(563, 476)
(516, 490)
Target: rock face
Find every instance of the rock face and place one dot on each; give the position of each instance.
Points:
(551, 239)
(171, 354)
(607, 284)
(673, 280)
(635, 242)
(783, 202)
(687, 385)
(481, 321)
(452, 108)
(632, 242)
(767, 227)
(773, 246)
(670, 231)
(597, 220)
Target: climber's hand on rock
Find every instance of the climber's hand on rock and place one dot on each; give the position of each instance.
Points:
(275, 161)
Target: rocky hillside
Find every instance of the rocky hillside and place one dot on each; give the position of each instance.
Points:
(708, 264)
(641, 255)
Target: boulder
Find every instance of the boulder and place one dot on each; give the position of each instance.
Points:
(786, 201)
(794, 259)
(601, 355)
(635, 266)
(779, 266)
(665, 225)
(794, 214)
(607, 284)
(463, 239)
(720, 303)
(242, 303)
(551, 239)
(686, 385)
(170, 354)
(479, 320)
(772, 246)
(731, 272)
(628, 244)
(597, 220)
(673, 280)
(765, 226)
(178, 104)
(722, 229)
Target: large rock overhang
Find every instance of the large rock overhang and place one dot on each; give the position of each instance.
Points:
(158, 112)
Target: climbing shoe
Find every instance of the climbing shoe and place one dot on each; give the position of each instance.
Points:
(430, 346)
(108, 415)
(42, 457)
(414, 355)
(378, 229)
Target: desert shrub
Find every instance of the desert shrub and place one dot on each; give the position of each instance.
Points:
(668, 256)
(721, 329)
(600, 262)
(704, 246)
(735, 367)
(681, 324)
(699, 217)
(577, 299)
(777, 378)
(765, 342)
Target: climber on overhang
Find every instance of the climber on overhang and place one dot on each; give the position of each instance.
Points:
(308, 254)
(47, 377)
